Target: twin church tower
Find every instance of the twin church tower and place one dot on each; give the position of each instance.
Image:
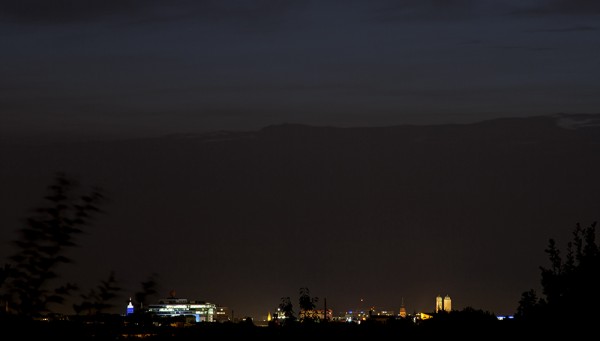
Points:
(444, 304)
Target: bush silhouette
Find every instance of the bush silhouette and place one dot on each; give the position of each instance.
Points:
(569, 285)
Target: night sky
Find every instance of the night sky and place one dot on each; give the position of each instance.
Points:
(149, 67)
(106, 90)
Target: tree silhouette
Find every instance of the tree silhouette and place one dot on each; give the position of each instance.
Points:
(28, 287)
(98, 300)
(307, 305)
(569, 284)
(287, 309)
(306, 302)
(149, 289)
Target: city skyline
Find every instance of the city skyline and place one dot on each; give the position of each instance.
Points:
(174, 306)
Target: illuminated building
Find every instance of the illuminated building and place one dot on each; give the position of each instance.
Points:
(129, 307)
(424, 316)
(355, 316)
(222, 314)
(402, 309)
(444, 304)
(169, 307)
(316, 314)
(447, 304)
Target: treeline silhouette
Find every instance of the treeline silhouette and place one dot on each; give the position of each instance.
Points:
(31, 287)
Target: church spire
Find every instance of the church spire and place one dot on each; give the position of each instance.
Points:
(130, 307)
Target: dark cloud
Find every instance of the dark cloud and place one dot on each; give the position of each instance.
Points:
(558, 7)
(425, 10)
(521, 47)
(73, 11)
(575, 6)
(60, 11)
(567, 29)
(70, 11)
